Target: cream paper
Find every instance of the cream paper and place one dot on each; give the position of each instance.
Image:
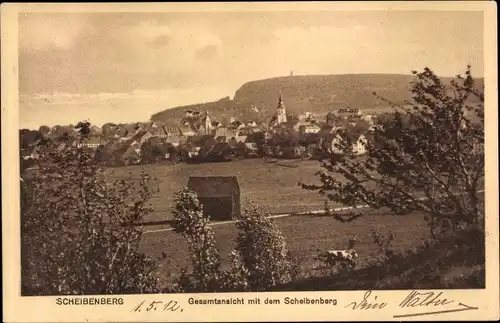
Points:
(293, 306)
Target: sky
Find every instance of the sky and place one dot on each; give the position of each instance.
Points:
(123, 66)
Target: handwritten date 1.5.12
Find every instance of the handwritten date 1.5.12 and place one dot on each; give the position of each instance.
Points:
(168, 306)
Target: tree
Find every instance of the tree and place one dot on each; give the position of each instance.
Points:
(152, 151)
(78, 230)
(106, 130)
(103, 154)
(192, 224)
(262, 250)
(172, 151)
(259, 262)
(331, 117)
(361, 126)
(286, 138)
(44, 130)
(425, 158)
(260, 141)
(28, 137)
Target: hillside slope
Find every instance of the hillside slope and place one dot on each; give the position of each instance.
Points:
(318, 94)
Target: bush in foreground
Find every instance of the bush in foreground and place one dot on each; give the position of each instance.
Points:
(259, 262)
(78, 234)
(426, 157)
(192, 224)
(262, 250)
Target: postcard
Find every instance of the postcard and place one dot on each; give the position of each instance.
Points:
(256, 161)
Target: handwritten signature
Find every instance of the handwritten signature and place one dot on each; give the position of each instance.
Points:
(367, 303)
(413, 300)
(430, 300)
(170, 306)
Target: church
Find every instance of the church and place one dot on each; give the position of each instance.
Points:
(280, 116)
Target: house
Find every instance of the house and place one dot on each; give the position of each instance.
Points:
(38, 151)
(235, 124)
(308, 117)
(93, 142)
(286, 126)
(241, 136)
(187, 130)
(224, 132)
(256, 137)
(157, 131)
(293, 152)
(127, 154)
(154, 125)
(309, 128)
(222, 138)
(31, 152)
(219, 195)
(244, 131)
(196, 143)
(95, 130)
(176, 140)
(252, 147)
(375, 127)
(348, 113)
(142, 137)
(358, 143)
(124, 132)
(114, 145)
(367, 118)
(218, 152)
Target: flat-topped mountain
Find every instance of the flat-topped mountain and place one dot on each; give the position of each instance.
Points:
(319, 94)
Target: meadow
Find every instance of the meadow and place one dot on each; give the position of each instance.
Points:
(270, 185)
(304, 236)
(275, 187)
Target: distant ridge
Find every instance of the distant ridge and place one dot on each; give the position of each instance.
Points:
(319, 94)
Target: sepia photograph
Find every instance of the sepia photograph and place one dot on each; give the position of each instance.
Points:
(237, 152)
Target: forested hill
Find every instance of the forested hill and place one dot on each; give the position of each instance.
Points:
(319, 94)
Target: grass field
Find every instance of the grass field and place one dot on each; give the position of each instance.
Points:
(304, 236)
(270, 185)
(276, 188)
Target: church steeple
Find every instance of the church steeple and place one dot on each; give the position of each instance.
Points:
(280, 110)
(208, 123)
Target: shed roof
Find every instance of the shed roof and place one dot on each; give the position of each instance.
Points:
(214, 186)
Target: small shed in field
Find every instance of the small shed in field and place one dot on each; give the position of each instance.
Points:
(219, 195)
